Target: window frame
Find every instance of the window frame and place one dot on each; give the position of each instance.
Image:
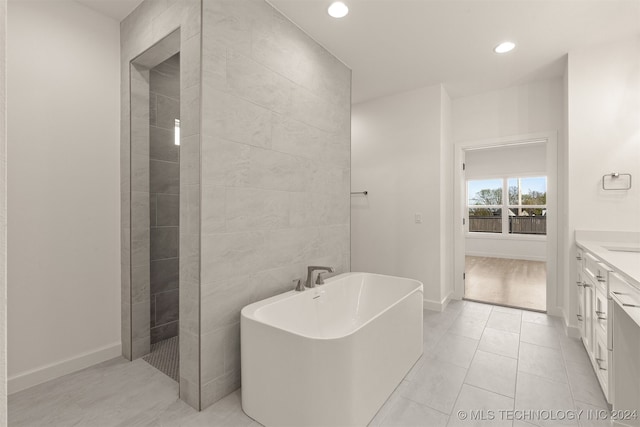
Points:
(505, 206)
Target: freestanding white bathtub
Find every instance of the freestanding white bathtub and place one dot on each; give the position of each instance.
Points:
(331, 355)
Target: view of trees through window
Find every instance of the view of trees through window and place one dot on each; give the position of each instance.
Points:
(525, 205)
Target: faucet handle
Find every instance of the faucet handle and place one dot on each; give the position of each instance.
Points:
(320, 279)
(298, 286)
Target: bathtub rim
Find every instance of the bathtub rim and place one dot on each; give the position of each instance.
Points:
(249, 311)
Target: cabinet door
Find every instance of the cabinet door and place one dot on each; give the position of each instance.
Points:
(580, 306)
(601, 359)
(588, 317)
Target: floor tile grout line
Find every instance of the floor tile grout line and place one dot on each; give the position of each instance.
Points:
(515, 392)
(425, 405)
(424, 354)
(467, 372)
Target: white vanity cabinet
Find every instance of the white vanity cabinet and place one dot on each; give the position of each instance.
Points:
(593, 314)
(608, 309)
(625, 385)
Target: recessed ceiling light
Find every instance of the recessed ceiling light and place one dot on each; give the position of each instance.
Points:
(504, 47)
(338, 9)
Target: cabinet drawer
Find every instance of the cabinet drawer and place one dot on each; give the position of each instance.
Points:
(579, 260)
(590, 266)
(600, 312)
(602, 277)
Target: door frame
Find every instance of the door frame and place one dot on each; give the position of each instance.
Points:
(550, 138)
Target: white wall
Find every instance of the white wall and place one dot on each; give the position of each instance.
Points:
(396, 156)
(63, 193)
(528, 108)
(446, 199)
(3, 219)
(502, 162)
(603, 137)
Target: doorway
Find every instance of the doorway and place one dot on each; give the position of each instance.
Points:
(152, 314)
(505, 200)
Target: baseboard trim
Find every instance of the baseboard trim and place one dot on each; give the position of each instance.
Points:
(435, 305)
(46, 373)
(555, 311)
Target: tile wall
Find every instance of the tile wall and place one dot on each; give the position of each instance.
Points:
(164, 198)
(276, 115)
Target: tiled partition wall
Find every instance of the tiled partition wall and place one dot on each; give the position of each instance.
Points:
(275, 171)
(147, 25)
(276, 115)
(164, 198)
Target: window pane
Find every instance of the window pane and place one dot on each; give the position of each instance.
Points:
(484, 192)
(528, 191)
(485, 220)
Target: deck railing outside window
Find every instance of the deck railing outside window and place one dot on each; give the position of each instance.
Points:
(517, 225)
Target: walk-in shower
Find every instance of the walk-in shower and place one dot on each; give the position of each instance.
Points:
(155, 205)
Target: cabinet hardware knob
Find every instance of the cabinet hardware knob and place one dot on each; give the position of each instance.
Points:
(586, 285)
(602, 318)
(598, 362)
(579, 258)
(579, 316)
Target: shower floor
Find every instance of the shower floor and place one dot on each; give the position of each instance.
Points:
(164, 356)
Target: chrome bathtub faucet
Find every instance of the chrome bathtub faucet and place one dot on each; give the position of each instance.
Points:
(320, 281)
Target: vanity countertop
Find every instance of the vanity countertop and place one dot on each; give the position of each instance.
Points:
(623, 257)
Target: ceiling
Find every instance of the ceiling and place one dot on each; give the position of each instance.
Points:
(116, 9)
(398, 45)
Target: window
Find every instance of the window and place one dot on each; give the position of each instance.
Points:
(525, 205)
(485, 206)
(528, 205)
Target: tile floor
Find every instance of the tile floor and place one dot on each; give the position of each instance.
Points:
(476, 357)
(491, 358)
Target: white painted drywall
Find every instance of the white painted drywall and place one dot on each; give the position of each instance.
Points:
(63, 189)
(396, 154)
(3, 218)
(603, 136)
(512, 161)
(446, 198)
(529, 108)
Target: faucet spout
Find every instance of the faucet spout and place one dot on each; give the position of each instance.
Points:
(309, 283)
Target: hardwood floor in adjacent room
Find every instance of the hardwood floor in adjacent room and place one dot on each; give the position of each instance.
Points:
(509, 282)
